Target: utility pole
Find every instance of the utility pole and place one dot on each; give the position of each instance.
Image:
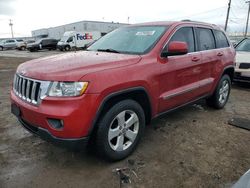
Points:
(11, 27)
(228, 11)
(245, 35)
(128, 19)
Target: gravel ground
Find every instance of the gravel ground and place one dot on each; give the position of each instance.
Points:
(191, 147)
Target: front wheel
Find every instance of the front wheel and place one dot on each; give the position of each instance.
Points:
(1, 48)
(120, 130)
(220, 97)
(67, 48)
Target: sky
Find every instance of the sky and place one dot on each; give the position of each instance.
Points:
(28, 15)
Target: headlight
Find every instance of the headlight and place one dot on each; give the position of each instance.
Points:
(67, 89)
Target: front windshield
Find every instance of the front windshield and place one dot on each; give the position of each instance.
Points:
(64, 38)
(244, 45)
(130, 40)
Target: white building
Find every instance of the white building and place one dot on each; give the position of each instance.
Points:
(57, 32)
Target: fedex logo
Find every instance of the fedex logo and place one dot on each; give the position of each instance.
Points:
(86, 36)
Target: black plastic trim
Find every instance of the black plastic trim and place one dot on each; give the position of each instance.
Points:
(114, 95)
(72, 143)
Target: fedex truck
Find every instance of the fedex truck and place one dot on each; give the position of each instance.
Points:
(78, 40)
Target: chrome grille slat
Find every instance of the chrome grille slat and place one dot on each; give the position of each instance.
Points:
(29, 90)
(20, 86)
(33, 91)
(23, 89)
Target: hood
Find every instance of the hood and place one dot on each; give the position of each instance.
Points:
(242, 57)
(61, 42)
(74, 65)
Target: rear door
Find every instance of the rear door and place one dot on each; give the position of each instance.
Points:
(206, 46)
(179, 81)
(224, 52)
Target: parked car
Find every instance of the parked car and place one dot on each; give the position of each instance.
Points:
(41, 44)
(10, 43)
(128, 77)
(23, 45)
(242, 66)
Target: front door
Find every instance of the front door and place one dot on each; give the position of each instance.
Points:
(179, 80)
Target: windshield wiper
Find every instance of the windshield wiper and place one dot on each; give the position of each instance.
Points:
(108, 50)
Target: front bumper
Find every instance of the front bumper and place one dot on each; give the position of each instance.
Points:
(76, 113)
(61, 46)
(72, 144)
(242, 75)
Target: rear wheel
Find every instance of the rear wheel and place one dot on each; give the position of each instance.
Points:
(120, 130)
(1, 48)
(220, 97)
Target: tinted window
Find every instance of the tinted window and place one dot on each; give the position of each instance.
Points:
(70, 39)
(185, 34)
(205, 39)
(244, 45)
(221, 40)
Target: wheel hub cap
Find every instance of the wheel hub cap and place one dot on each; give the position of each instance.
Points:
(123, 130)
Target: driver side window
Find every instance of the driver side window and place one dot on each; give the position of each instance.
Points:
(70, 39)
(184, 34)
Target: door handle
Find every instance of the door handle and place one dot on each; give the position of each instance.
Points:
(220, 54)
(195, 59)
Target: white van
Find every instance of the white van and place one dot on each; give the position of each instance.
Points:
(74, 39)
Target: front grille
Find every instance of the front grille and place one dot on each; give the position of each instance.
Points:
(27, 89)
(244, 66)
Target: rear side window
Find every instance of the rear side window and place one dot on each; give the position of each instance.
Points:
(205, 39)
(221, 39)
(185, 34)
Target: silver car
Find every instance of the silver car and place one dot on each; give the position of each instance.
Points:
(9, 43)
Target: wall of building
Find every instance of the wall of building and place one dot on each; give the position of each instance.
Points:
(57, 32)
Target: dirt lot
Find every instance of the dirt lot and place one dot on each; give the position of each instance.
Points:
(191, 147)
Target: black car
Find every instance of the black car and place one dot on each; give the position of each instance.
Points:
(41, 44)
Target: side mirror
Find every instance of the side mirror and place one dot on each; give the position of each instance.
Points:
(175, 48)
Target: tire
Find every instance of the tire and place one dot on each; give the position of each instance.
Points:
(1, 48)
(130, 135)
(221, 94)
(67, 48)
(22, 48)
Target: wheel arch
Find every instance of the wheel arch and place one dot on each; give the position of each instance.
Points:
(229, 70)
(139, 94)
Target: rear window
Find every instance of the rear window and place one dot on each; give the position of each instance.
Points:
(221, 39)
(205, 39)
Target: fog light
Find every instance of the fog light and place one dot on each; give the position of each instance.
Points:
(56, 123)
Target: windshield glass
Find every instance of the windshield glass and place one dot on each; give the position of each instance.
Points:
(64, 38)
(130, 40)
(244, 45)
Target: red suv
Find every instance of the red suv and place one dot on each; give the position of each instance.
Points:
(128, 77)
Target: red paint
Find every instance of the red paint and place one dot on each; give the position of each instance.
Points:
(109, 72)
